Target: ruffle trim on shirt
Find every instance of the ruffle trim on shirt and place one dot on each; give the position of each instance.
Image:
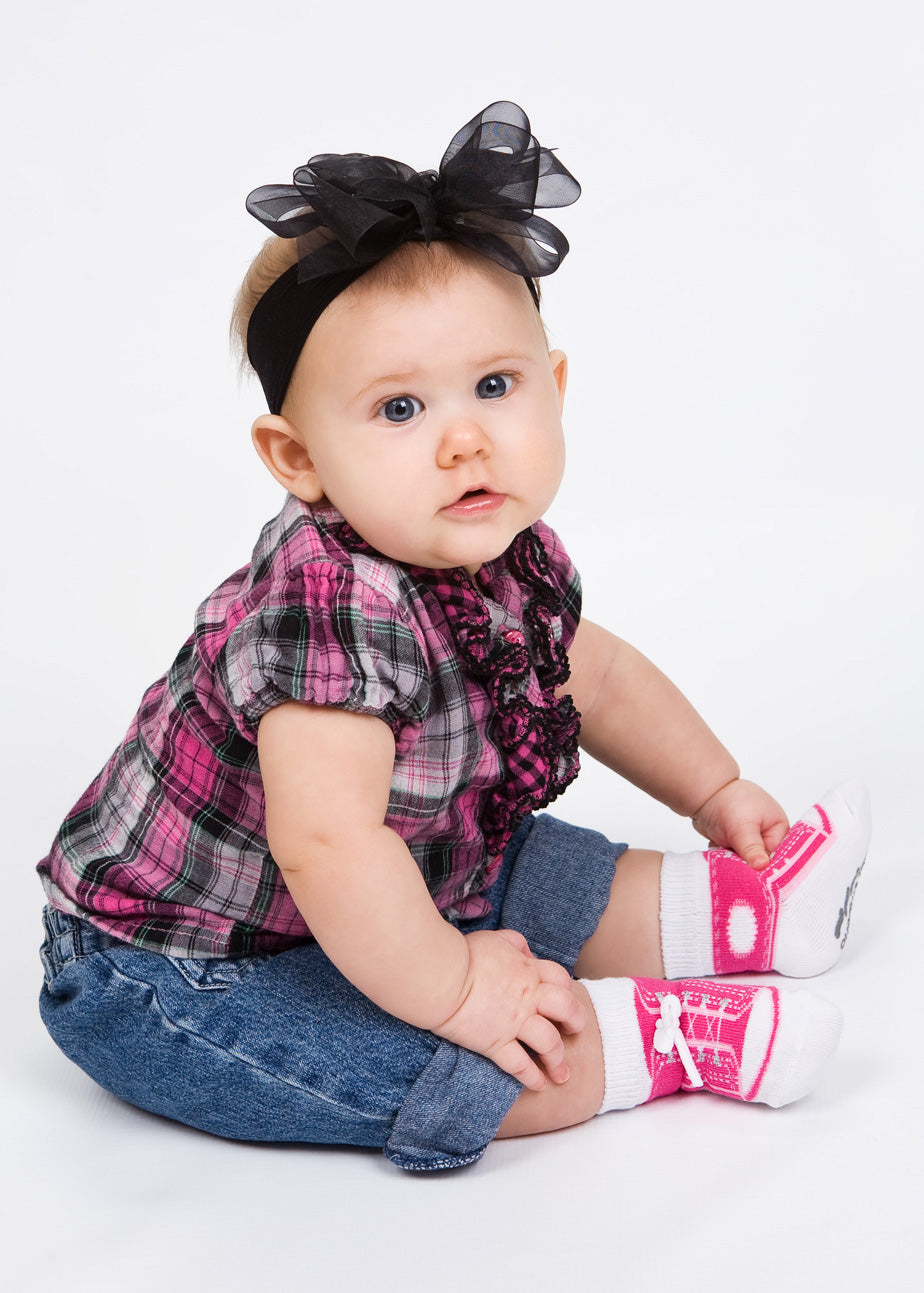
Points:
(537, 741)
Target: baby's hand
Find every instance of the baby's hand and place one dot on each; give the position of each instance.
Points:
(744, 818)
(509, 1001)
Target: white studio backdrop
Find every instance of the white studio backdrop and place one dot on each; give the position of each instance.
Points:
(742, 312)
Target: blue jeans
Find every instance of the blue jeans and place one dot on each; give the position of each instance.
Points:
(284, 1048)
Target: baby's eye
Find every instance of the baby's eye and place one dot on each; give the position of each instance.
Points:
(494, 387)
(402, 408)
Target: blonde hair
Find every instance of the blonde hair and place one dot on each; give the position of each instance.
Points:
(409, 268)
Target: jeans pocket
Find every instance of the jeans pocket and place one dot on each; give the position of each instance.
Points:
(215, 974)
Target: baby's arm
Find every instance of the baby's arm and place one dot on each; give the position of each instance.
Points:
(326, 775)
(636, 722)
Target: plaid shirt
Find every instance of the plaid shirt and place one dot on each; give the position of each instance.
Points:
(167, 848)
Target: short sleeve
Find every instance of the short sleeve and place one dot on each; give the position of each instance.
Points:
(565, 579)
(325, 638)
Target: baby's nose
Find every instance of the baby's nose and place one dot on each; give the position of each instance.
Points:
(462, 438)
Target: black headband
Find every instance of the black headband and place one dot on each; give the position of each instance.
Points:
(350, 211)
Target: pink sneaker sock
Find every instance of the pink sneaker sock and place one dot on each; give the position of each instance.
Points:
(719, 916)
(750, 1043)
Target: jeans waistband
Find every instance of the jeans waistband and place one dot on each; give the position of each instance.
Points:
(67, 939)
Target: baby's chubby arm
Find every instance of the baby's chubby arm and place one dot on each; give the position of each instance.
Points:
(634, 720)
(326, 775)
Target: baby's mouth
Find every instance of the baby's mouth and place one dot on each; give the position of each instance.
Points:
(477, 501)
(476, 491)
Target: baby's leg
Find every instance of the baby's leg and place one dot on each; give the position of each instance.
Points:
(718, 916)
(275, 1048)
(647, 1038)
(574, 1101)
(627, 940)
(710, 913)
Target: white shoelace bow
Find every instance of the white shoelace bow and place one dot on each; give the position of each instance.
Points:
(667, 1036)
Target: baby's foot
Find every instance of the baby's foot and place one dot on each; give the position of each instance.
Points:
(719, 916)
(758, 1044)
(813, 876)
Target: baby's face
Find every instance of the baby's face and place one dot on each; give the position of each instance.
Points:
(432, 416)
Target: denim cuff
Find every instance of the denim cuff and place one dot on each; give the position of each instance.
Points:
(456, 1104)
(559, 888)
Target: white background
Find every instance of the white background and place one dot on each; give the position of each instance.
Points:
(742, 310)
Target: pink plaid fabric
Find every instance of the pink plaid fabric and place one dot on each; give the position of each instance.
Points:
(167, 848)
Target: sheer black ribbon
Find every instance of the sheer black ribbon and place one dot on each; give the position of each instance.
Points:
(349, 211)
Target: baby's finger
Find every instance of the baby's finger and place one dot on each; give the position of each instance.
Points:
(560, 1003)
(515, 939)
(513, 1059)
(749, 845)
(775, 836)
(545, 1041)
(552, 972)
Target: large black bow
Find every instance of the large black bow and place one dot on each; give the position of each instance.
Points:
(350, 210)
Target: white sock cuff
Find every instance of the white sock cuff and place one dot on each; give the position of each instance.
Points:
(626, 1078)
(686, 916)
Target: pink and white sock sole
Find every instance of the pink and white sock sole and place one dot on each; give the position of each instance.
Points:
(719, 916)
(757, 1044)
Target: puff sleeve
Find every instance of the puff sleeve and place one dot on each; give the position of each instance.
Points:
(324, 638)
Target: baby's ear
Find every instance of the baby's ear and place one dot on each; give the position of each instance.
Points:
(559, 361)
(278, 444)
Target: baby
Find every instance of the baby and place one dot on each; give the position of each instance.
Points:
(311, 896)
